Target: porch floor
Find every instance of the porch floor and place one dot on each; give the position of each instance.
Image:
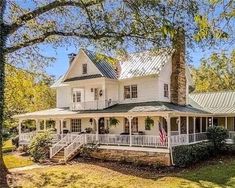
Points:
(145, 149)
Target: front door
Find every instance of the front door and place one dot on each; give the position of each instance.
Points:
(101, 126)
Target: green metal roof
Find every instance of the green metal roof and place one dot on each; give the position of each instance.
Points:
(215, 102)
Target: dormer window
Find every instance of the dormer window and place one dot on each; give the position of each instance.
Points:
(84, 68)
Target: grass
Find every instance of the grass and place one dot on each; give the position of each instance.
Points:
(221, 174)
(15, 161)
(8, 146)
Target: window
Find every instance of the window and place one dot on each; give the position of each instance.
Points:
(64, 124)
(77, 96)
(130, 92)
(75, 125)
(166, 92)
(134, 125)
(134, 91)
(84, 68)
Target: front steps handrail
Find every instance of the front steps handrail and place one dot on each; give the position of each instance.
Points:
(74, 146)
(59, 145)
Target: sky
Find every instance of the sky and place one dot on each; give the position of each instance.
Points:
(60, 66)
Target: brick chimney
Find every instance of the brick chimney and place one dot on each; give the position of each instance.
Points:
(71, 57)
(178, 77)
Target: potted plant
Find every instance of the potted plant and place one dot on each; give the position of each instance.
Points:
(149, 122)
(113, 121)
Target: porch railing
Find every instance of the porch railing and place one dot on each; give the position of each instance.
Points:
(66, 140)
(184, 139)
(92, 105)
(25, 138)
(231, 134)
(74, 146)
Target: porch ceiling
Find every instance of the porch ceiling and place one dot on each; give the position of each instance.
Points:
(130, 108)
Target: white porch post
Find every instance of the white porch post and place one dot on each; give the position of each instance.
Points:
(37, 125)
(61, 127)
(45, 126)
(179, 125)
(130, 128)
(206, 123)
(19, 127)
(226, 122)
(200, 124)
(168, 120)
(187, 125)
(97, 128)
(57, 125)
(212, 121)
(194, 129)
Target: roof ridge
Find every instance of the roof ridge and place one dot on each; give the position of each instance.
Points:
(212, 92)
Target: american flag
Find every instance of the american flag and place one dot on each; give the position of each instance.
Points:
(162, 134)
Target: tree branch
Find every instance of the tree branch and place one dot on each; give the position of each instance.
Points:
(48, 34)
(39, 11)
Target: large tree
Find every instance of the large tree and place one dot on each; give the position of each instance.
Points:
(105, 24)
(216, 73)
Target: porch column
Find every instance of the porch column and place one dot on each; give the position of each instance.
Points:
(226, 122)
(61, 127)
(194, 129)
(97, 128)
(45, 126)
(37, 125)
(200, 124)
(57, 125)
(19, 127)
(130, 128)
(187, 125)
(168, 120)
(206, 123)
(212, 121)
(179, 125)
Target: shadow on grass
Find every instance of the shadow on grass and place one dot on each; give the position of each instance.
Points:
(218, 172)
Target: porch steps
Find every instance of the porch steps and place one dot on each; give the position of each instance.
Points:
(59, 157)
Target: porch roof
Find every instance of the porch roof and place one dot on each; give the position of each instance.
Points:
(154, 106)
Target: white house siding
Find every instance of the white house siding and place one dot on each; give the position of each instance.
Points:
(111, 90)
(76, 69)
(147, 89)
(164, 78)
(63, 97)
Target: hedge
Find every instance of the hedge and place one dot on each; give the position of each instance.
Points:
(186, 155)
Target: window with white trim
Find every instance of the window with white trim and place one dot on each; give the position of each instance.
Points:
(166, 90)
(77, 96)
(75, 125)
(130, 92)
(134, 125)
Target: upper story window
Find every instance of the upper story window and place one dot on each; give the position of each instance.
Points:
(130, 92)
(166, 90)
(84, 68)
(77, 96)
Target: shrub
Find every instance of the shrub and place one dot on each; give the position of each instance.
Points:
(39, 148)
(15, 141)
(217, 136)
(186, 155)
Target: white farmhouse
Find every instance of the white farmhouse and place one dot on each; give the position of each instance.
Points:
(140, 104)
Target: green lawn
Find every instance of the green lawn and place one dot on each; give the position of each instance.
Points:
(15, 161)
(221, 174)
(7, 146)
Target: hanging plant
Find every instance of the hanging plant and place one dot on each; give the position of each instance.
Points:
(149, 122)
(113, 121)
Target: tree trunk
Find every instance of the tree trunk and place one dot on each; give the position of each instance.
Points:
(3, 34)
